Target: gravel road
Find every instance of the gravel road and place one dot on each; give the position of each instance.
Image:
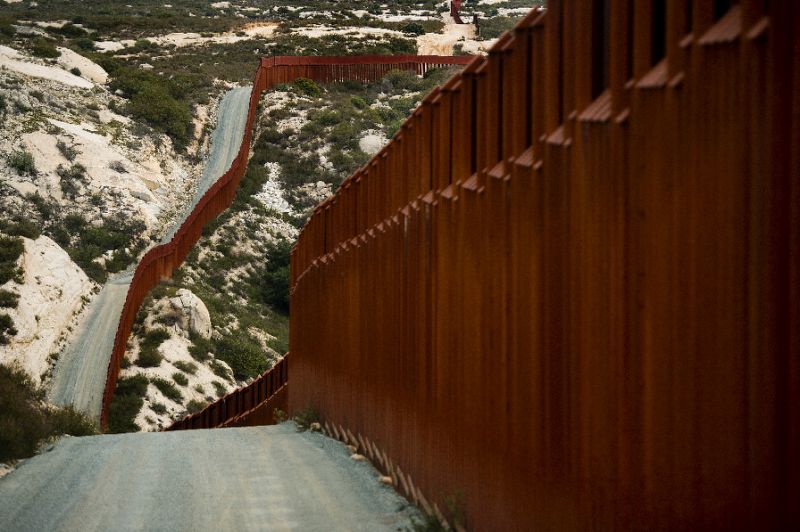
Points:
(80, 373)
(255, 478)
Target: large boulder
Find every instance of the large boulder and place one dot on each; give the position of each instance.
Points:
(185, 312)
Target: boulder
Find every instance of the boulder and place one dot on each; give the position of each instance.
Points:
(192, 313)
(185, 312)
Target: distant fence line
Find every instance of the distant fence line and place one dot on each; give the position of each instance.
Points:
(568, 290)
(161, 261)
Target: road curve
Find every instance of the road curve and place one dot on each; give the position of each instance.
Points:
(81, 371)
(255, 478)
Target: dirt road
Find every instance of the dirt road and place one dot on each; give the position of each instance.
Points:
(80, 374)
(256, 478)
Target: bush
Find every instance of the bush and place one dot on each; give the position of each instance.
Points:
(168, 389)
(158, 408)
(22, 161)
(200, 348)
(69, 177)
(180, 378)
(69, 152)
(25, 421)
(8, 299)
(220, 370)
(186, 367)
(164, 113)
(122, 412)
(75, 71)
(307, 87)
(272, 280)
(11, 249)
(243, 355)
(7, 329)
(136, 385)
(219, 388)
(155, 100)
(44, 48)
(413, 28)
(195, 406)
(21, 227)
(149, 357)
(305, 417)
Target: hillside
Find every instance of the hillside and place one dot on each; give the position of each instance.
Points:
(93, 174)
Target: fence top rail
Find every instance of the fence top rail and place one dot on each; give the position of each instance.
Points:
(276, 61)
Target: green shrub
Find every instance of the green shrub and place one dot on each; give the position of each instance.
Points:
(305, 417)
(70, 30)
(220, 370)
(44, 48)
(199, 388)
(413, 28)
(11, 249)
(493, 27)
(328, 118)
(219, 388)
(135, 385)
(359, 102)
(7, 30)
(69, 152)
(200, 347)
(75, 71)
(243, 354)
(307, 87)
(122, 412)
(156, 100)
(84, 43)
(149, 357)
(180, 378)
(195, 406)
(8, 299)
(186, 367)
(25, 421)
(158, 408)
(70, 177)
(272, 280)
(7, 329)
(168, 389)
(20, 227)
(164, 113)
(22, 161)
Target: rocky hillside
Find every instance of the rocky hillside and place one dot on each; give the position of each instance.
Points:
(105, 114)
(85, 187)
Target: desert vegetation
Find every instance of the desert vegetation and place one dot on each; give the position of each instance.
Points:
(27, 421)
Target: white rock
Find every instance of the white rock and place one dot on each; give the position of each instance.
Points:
(49, 296)
(89, 69)
(189, 312)
(372, 142)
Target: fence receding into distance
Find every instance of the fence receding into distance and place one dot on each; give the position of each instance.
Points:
(161, 261)
(567, 292)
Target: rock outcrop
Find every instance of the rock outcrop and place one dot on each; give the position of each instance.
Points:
(185, 312)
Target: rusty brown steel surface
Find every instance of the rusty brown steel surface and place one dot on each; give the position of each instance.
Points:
(571, 297)
(161, 261)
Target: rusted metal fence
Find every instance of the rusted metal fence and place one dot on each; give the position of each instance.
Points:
(568, 290)
(253, 404)
(161, 261)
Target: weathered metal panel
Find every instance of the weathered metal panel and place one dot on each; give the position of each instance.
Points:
(593, 324)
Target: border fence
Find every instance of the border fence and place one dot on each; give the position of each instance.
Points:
(566, 294)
